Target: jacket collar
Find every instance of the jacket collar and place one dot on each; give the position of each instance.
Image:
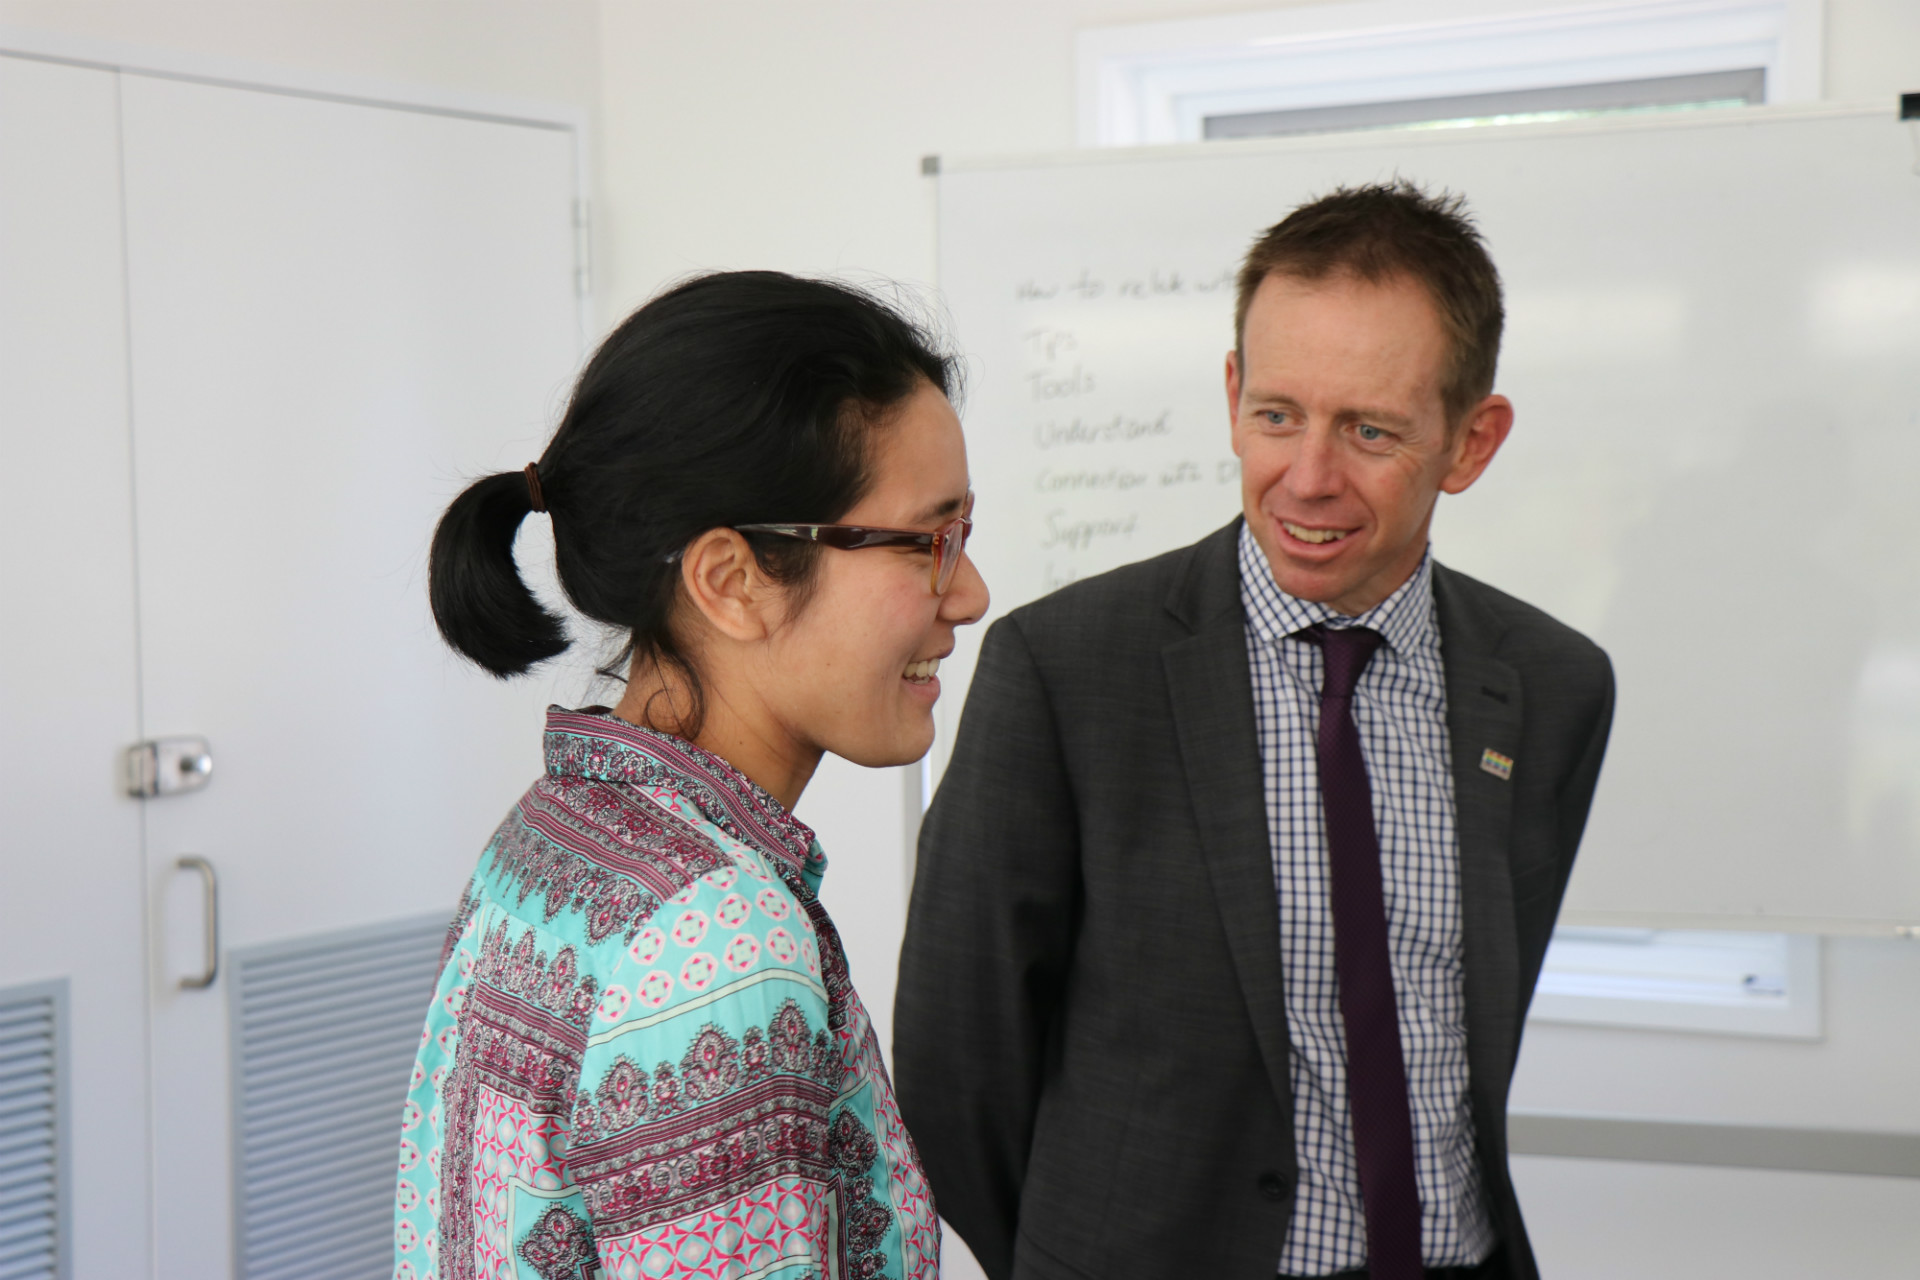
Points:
(1210, 688)
(594, 743)
(1207, 588)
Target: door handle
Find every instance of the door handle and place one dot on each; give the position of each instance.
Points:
(211, 884)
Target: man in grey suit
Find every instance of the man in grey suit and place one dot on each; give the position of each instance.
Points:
(1232, 901)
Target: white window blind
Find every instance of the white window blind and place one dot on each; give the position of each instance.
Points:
(1737, 88)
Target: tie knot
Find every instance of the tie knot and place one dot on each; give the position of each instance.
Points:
(1346, 651)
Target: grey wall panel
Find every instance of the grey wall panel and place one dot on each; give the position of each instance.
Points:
(1891, 1155)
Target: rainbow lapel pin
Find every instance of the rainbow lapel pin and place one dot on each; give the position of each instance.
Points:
(1496, 764)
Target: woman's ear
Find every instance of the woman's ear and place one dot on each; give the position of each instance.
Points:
(728, 588)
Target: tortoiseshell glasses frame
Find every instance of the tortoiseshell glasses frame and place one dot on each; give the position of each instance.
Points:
(947, 543)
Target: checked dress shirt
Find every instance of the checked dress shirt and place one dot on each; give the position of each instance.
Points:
(1400, 709)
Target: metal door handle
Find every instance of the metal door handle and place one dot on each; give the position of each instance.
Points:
(211, 882)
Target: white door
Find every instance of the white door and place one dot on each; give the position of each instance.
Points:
(72, 907)
(339, 313)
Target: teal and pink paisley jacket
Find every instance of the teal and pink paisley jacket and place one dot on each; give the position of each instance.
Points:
(644, 1057)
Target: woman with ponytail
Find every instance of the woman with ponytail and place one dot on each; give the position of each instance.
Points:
(644, 1056)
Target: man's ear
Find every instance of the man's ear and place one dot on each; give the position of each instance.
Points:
(727, 587)
(1476, 441)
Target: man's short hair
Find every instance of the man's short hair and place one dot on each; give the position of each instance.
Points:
(1383, 230)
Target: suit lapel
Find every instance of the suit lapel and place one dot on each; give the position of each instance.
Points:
(1211, 687)
(1484, 713)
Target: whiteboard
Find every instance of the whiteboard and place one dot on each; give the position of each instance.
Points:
(1713, 347)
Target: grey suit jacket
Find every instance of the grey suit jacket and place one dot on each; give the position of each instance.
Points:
(1090, 1033)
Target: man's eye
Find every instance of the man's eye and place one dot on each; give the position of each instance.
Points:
(1371, 433)
(1275, 417)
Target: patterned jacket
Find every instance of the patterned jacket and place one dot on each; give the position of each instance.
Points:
(644, 1057)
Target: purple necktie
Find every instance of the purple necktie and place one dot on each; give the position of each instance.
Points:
(1376, 1073)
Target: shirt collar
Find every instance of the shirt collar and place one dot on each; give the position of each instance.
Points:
(595, 743)
(1404, 619)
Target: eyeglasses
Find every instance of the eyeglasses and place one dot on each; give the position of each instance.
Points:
(947, 542)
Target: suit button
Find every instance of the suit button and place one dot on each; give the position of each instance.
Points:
(1272, 1185)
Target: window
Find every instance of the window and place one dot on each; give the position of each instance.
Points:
(1164, 82)
(1765, 984)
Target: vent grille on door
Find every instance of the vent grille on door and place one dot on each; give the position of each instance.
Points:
(325, 1032)
(32, 1148)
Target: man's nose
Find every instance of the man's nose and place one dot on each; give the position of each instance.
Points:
(1315, 469)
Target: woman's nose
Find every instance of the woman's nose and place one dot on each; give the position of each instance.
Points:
(967, 598)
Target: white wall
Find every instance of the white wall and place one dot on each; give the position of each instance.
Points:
(1607, 1220)
(544, 49)
(790, 136)
(1873, 48)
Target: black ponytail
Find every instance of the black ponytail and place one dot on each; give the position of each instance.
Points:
(735, 398)
(479, 601)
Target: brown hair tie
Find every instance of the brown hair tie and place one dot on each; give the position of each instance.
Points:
(534, 495)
